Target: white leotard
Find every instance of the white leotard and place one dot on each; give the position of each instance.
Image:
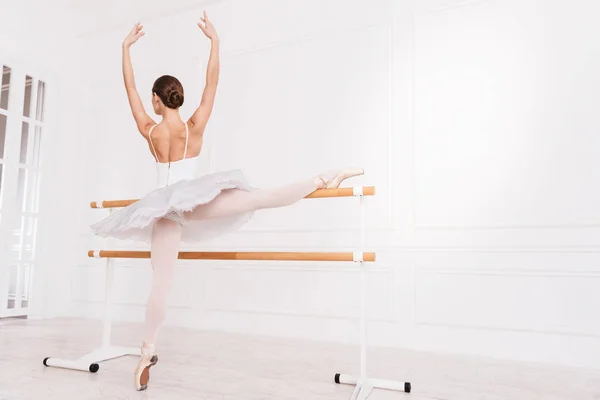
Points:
(174, 171)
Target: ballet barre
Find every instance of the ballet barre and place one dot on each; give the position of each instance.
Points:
(364, 385)
(241, 255)
(317, 194)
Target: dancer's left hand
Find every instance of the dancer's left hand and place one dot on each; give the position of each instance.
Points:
(208, 28)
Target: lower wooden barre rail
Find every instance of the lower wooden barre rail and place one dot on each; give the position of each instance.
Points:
(240, 255)
(317, 194)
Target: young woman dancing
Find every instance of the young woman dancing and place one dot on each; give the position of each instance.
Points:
(185, 207)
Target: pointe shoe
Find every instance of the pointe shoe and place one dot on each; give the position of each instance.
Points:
(332, 180)
(142, 371)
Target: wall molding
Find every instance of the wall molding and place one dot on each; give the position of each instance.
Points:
(525, 271)
(561, 332)
(300, 315)
(514, 272)
(497, 227)
(391, 299)
(457, 4)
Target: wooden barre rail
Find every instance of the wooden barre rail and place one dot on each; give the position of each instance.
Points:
(241, 255)
(317, 194)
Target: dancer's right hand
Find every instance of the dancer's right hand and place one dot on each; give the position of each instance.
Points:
(134, 35)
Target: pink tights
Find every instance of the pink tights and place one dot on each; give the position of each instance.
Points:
(166, 236)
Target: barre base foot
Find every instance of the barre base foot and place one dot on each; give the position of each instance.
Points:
(364, 386)
(90, 361)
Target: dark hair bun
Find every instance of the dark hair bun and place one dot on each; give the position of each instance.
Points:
(175, 99)
(170, 91)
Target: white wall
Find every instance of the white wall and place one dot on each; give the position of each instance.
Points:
(475, 119)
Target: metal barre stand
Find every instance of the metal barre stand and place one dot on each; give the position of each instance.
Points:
(363, 384)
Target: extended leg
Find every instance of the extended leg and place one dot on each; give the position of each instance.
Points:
(236, 201)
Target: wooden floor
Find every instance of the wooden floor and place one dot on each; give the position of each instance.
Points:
(220, 366)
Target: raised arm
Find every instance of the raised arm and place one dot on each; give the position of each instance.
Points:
(200, 117)
(142, 119)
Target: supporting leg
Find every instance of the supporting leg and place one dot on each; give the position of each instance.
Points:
(166, 237)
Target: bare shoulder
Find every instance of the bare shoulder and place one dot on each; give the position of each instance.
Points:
(196, 126)
(146, 128)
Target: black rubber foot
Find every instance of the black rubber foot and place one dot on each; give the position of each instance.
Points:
(407, 387)
(337, 378)
(45, 359)
(94, 368)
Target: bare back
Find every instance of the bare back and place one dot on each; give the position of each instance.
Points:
(171, 142)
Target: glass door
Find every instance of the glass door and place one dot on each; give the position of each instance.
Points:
(21, 131)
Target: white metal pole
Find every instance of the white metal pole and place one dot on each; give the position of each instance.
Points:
(108, 300)
(107, 323)
(363, 305)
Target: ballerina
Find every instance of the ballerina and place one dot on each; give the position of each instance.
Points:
(184, 207)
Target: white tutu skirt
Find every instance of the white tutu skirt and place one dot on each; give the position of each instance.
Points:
(135, 221)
